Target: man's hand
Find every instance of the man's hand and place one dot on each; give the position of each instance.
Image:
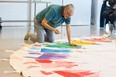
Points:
(71, 44)
(56, 31)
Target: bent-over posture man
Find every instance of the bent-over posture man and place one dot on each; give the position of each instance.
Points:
(48, 19)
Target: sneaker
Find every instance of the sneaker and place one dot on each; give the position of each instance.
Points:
(27, 36)
(107, 28)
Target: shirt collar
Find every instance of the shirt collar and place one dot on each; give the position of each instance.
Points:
(62, 9)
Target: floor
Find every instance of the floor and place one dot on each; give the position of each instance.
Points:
(11, 38)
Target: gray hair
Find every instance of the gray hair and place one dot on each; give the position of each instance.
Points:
(69, 7)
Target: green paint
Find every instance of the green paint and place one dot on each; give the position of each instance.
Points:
(60, 45)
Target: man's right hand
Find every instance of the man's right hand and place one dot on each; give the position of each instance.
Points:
(56, 31)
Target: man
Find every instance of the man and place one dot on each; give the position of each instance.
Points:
(48, 19)
(110, 14)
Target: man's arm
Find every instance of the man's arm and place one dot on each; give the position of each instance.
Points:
(68, 34)
(46, 25)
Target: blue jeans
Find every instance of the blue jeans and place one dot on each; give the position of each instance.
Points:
(42, 35)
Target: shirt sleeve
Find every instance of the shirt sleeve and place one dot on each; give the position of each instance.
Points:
(67, 21)
(50, 14)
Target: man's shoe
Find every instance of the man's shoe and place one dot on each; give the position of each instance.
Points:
(27, 36)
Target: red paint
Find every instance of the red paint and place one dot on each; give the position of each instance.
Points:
(32, 67)
(57, 64)
(77, 73)
(44, 61)
(46, 73)
(99, 40)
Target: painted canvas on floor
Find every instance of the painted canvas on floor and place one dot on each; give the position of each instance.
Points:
(43, 60)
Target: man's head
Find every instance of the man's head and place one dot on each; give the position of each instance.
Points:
(68, 10)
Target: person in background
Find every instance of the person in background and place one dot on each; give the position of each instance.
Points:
(46, 22)
(0, 23)
(110, 14)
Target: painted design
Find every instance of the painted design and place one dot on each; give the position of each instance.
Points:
(98, 40)
(34, 49)
(54, 50)
(52, 56)
(76, 73)
(60, 45)
(62, 60)
(56, 64)
(79, 42)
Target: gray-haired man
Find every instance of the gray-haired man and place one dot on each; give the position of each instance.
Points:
(48, 19)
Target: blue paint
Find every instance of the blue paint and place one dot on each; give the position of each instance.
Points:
(54, 50)
(34, 49)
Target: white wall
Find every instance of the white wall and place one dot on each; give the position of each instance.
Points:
(13, 11)
(19, 11)
(82, 14)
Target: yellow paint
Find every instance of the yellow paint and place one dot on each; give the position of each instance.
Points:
(80, 42)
